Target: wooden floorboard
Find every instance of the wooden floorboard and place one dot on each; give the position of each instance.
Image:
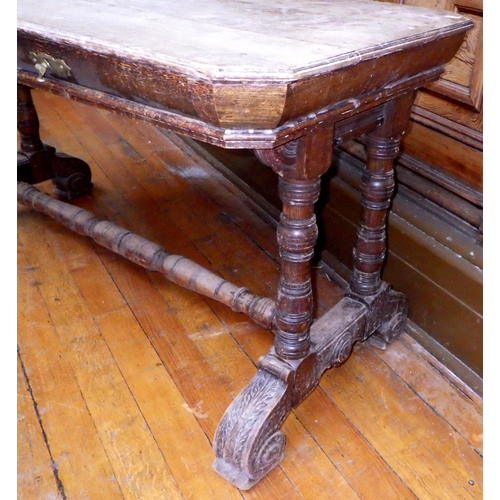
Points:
(124, 376)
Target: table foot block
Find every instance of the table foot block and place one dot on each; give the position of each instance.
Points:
(386, 317)
(234, 476)
(71, 176)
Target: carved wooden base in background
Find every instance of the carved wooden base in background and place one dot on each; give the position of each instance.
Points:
(70, 176)
(37, 162)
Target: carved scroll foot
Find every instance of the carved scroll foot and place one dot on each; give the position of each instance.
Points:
(248, 443)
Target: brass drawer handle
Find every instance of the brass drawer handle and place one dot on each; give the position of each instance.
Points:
(43, 62)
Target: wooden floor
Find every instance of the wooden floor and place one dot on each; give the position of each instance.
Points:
(123, 376)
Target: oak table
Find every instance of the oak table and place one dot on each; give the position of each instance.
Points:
(288, 79)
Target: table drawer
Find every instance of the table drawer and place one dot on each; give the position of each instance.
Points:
(133, 80)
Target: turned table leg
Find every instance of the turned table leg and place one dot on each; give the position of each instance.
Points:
(297, 234)
(369, 252)
(248, 442)
(37, 162)
(377, 188)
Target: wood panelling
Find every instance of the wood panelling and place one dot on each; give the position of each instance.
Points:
(462, 80)
(445, 141)
(448, 114)
(458, 160)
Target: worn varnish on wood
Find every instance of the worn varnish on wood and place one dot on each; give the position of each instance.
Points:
(260, 66)
(287, 81)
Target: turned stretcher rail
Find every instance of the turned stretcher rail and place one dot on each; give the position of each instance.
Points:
(151, 256)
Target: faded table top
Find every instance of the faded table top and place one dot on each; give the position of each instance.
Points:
(237, 73)
(237, 39)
